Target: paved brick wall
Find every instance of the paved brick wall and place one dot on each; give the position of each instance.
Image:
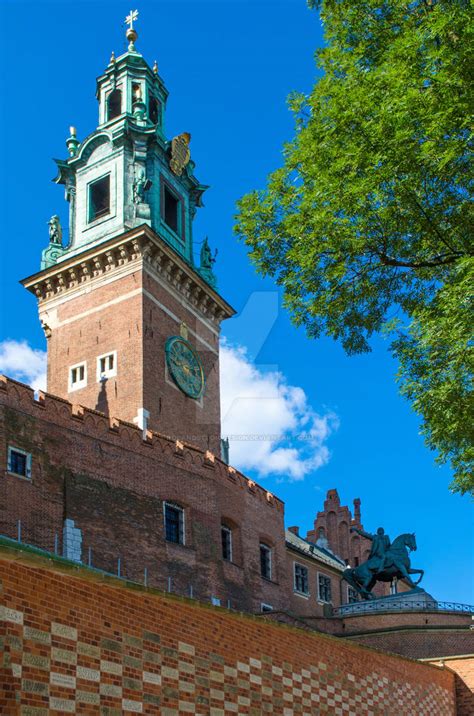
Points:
(79, 643)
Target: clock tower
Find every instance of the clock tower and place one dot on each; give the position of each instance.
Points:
(132, 324)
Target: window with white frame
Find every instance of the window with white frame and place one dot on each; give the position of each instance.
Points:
(226, 539)
(19, 462)
(107, 365)
(265, 561)
(266, 607)
(301, 584)
(174, 522)
(324, 588)
(352, 595)
(77, 376)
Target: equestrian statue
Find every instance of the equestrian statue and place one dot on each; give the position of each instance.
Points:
(386, 561)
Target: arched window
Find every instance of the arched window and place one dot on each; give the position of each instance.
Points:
(114, 104)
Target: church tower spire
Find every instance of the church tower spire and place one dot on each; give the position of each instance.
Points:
(132, 323)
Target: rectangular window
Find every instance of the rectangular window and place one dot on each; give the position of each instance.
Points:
(352, 595)
(77, 376)
(266, 607)
(265, 561)
(107, 365)
(171, 210)
(99, 198)
(324, 588)
(301, 579)
(226, 537)
(174, 523)
(216, 601)
(19, 462)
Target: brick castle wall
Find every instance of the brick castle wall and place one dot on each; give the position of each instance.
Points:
(77, 642)
(463, 667)
(112, 482)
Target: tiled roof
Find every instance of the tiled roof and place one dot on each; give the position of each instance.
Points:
(311, 550)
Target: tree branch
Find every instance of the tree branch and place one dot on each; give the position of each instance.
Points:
(442, 260)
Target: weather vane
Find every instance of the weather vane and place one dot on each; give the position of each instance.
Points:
(130, 19)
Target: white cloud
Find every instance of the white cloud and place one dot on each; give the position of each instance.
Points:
(21, 362)
(271, 427)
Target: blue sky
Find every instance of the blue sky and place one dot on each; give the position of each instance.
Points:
(229, 67)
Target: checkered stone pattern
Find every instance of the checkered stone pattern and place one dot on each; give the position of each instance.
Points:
(59, 670)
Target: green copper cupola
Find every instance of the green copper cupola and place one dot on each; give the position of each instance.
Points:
(129, 89)
(126, 173)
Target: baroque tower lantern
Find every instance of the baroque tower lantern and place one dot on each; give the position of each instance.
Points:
(132, 323)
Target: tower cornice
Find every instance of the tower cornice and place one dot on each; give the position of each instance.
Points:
(147, 250)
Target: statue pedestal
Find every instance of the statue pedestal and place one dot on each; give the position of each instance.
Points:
(143, 212)
(414, 600)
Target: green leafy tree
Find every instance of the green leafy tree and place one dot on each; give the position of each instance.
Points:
(368, 224)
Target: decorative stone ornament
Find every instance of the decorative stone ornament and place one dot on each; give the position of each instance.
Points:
(180, 153)
(207, 260)
(184, 366)
(72, 142)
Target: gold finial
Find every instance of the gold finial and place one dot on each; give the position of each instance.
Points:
(131, 34)
(183, 330)
(112, 58)
(155, 67)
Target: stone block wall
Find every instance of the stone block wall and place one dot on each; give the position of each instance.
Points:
(78, 642)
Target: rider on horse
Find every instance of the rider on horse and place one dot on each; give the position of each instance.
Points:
(380, 545)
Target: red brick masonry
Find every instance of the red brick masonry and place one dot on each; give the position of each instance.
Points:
(79, 642)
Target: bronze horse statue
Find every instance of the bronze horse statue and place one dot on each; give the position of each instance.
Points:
(396, 564)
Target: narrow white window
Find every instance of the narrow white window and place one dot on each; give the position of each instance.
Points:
(77, 376)
(107, 365)
(19, 462)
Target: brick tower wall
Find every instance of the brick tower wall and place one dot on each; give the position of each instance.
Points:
(132, 313)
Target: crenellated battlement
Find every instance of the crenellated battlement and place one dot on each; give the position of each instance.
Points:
(93, 423)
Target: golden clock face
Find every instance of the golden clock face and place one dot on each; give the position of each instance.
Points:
(184, 366)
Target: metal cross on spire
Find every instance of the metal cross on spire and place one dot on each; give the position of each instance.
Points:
(130, 19)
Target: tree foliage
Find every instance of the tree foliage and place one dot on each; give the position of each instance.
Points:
(367, 225)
